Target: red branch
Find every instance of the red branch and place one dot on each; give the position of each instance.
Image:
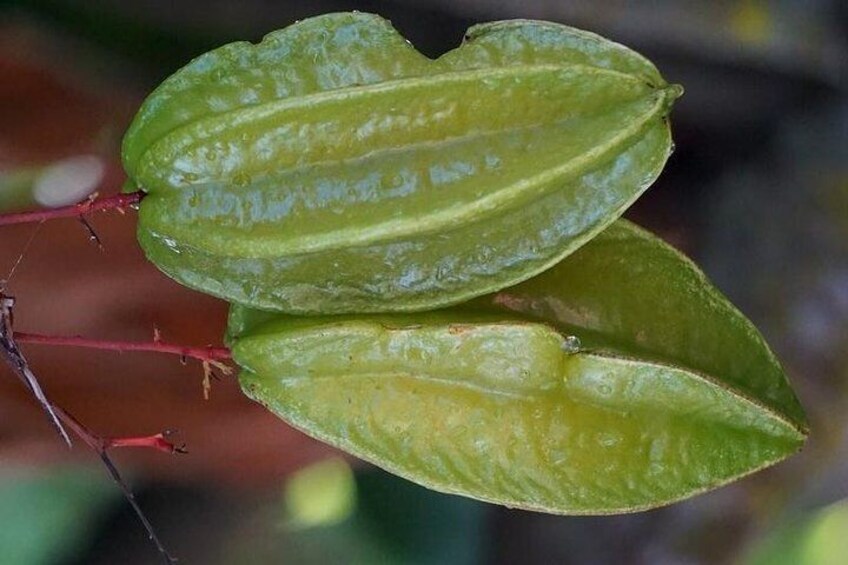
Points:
(101, 445)
(158, 442)
(14, 357)
(118, 202)
(211, 357)
(206, 354)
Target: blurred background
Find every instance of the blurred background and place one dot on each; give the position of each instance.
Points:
(756, 193)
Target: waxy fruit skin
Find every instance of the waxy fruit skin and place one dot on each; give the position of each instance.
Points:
(332, 168)
(619, 380)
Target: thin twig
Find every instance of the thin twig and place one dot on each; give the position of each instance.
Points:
(5, 282)
(209, 354)
(118, 202)
(10, 352)
(212, 358)
(101, 445)
(14, 357)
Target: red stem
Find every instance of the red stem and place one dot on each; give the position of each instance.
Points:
(199, 353)
(100, 446)
(115, 202)
(156, 441)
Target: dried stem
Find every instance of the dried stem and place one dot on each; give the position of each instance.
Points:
(118, 202)
(16, 360)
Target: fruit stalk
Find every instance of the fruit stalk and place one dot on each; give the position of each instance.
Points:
(118, 202)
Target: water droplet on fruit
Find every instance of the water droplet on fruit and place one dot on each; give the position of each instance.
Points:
(571, 344)
(171, 244)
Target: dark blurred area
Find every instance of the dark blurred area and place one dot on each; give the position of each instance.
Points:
(756, 193)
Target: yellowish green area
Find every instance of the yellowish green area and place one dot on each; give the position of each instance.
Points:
(751, 21)
(321, 494)
(817, 539)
